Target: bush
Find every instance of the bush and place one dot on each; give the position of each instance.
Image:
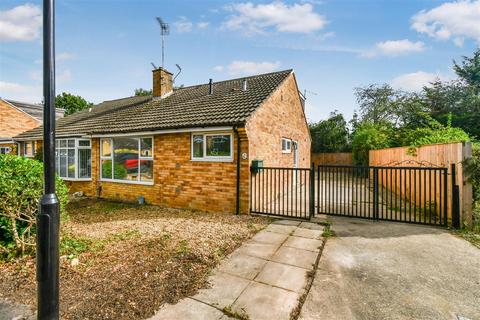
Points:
(21, 186)
(369, 136)
(472, 169)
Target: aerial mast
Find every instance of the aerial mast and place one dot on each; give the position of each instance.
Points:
(164, 31)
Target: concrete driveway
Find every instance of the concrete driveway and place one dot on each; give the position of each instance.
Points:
(385, 270)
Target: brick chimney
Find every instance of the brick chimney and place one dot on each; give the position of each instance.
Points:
(162, 82)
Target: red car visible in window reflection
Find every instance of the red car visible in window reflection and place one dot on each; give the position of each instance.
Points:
(132, 164)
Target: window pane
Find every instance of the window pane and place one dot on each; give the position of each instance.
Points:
(71, 163)
(71, 143)
(218, 146)
(284, 145)
(84, 163)
(63, 143)
(146, 170)
(146, 149)
(107, 169)
(84, 143)
(106, 148)
(57, 162)
(63, 162)
(198, 146)
(125, 159)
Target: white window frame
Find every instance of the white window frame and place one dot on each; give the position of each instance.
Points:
(29, 155)
(211, 158)
(288, 145)
(148, 183)
(76, 148)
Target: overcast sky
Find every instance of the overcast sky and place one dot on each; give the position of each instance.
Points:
(104, 48)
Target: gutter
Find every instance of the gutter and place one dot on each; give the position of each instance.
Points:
(235, 129)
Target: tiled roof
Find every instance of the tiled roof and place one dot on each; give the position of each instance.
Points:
(185, 108)
(34, 110)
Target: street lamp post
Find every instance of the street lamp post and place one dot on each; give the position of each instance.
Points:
(48, 218)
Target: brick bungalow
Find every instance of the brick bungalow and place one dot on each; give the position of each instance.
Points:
(186, 148)
(17, 117)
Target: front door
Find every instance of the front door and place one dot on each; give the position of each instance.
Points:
(295, 154)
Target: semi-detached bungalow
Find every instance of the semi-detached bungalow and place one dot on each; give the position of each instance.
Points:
(185, 148)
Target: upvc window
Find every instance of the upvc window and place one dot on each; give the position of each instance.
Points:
(5, 150)
(286, 145)
(212, 146)
(73, 158)
(127, 159)
(29, 148)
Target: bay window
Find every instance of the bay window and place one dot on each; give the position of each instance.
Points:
(212, 146)
(127, 159)
(73, 158)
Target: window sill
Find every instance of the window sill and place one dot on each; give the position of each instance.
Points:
(145, 183)
(212, 160)
(286, 152)
(76, 179)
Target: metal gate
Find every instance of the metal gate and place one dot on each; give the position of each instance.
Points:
(397, 193)
(285, 192)
(403, 194)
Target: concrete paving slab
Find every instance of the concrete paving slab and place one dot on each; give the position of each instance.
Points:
(243, 266)
(188, 309)
(311, 225)
(303, 243)
(219, 294)
(283, 276)
(259, 250)
(269, 237)
(296, 257)
(308, 233)
(264, 302)
(279, 228)
(287, 222)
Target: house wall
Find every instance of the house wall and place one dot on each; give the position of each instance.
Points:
(13, 121)
(179, 182)
(281, 115)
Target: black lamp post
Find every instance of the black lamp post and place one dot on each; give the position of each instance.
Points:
(48, 218)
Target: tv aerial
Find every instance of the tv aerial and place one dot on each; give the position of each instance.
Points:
(164, 31)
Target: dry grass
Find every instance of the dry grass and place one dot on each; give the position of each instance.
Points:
(132, 259)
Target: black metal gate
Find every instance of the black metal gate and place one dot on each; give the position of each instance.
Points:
(285, 192)
(403, 194)
(397, 193)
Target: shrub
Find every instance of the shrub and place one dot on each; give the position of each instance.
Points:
(369, 136)
(472, 169)
(21, 186)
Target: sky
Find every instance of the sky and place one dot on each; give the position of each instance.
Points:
(104, 48)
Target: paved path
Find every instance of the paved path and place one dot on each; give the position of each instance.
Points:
(385, 270)
(263, 279)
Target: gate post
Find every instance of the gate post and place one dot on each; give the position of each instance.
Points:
(375, 193)
(312, 191)
(455, 199)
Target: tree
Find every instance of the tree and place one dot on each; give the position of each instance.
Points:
(469, 70)
(370, 136)
(71, 103)
(330, 135)
(142, 92)
(378, 103)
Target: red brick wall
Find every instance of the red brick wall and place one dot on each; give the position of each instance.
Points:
(178, 181)
(281, 115)
(13, 121)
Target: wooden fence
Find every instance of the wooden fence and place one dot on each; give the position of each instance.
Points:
(435, 155)
(334, 158)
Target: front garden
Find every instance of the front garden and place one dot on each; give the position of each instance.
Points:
(118, 261)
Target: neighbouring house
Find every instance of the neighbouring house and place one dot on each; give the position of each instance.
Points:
(17, 117)
(186, 148)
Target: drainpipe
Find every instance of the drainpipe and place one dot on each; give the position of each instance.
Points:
(235, 129)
